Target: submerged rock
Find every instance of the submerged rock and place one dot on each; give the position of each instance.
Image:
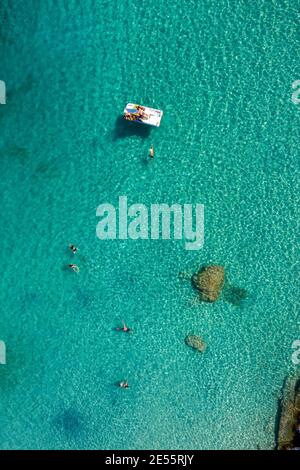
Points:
(209, 281)
(195, 342)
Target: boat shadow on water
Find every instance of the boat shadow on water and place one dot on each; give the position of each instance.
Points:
(125, 129)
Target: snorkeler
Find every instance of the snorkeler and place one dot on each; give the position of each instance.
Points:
(124, 328)
(151, 152)
(123, 384)
(73, 248)
(74, 268)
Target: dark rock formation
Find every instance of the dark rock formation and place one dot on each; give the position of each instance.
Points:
(195, 342)
(209, 281)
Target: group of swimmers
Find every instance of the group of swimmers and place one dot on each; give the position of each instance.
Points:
(74, 266)
(124, 328)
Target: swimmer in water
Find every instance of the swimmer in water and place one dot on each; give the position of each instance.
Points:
(73, 248)
(74, 268)
(123, 384)
(151, 152)
(124, 328)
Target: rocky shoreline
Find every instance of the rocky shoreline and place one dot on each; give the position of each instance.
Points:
(288, 425)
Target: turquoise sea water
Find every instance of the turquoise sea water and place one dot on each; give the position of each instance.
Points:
(222, 72)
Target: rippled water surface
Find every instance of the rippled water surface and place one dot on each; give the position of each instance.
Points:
(222, 73)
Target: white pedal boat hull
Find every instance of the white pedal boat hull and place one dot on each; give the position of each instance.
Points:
(143, 114)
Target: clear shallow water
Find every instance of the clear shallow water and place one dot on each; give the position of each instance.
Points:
(70, 67)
